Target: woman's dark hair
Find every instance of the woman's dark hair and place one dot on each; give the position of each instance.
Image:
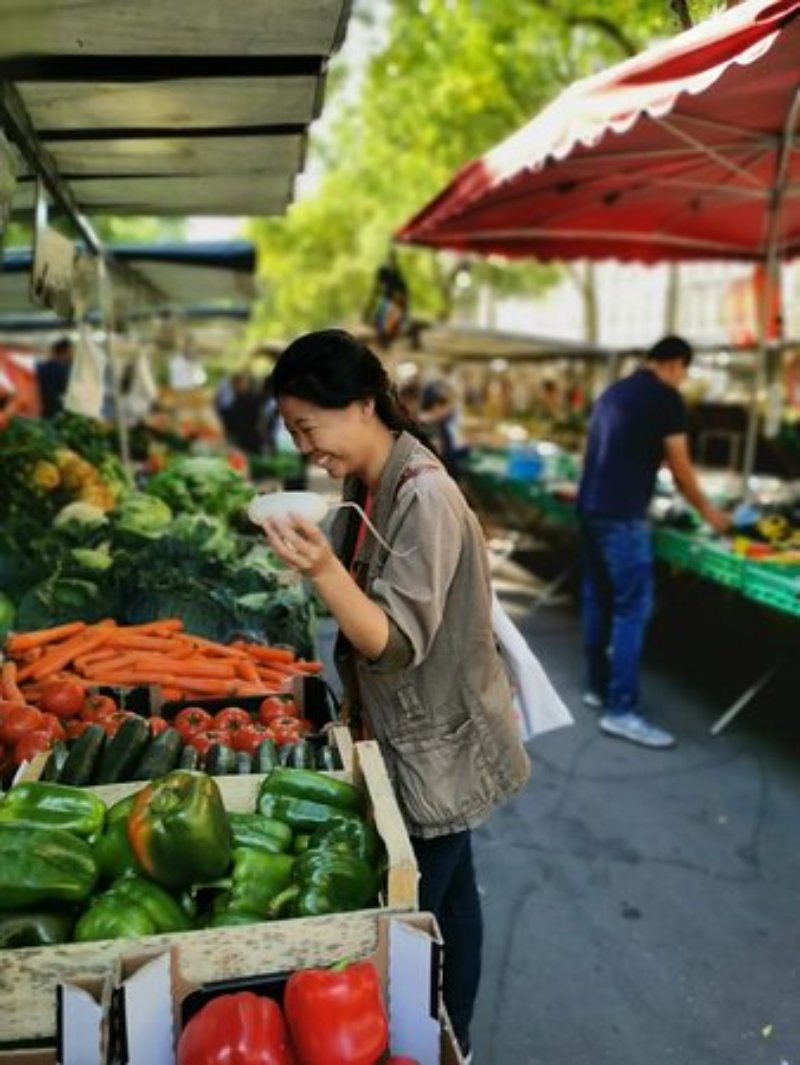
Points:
(332, 369)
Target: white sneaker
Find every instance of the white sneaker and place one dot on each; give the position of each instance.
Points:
(592, 700)
(633, 727)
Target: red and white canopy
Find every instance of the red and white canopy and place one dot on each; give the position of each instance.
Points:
(687, 151)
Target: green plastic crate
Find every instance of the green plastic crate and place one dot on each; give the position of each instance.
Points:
(677, 548)
(773, 586)
(721, 565)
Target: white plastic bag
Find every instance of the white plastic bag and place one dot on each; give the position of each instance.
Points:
(538, 705)
(85, 389)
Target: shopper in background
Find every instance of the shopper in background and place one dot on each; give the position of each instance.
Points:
(439, 418)
(415, 649)
(53, 377)
(638, 423)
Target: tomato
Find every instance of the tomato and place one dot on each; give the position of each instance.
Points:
(98, 708)
(157, 725)
(247, 738)
(192, 720)
(231, 718)
(64, 698)
(114, 722)
(53, 727)
(273, 707)
(201, 741)
(17, 722)
(31, 744)
(75, 727)
(284, 730)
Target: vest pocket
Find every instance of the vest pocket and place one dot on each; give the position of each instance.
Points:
(440, 779)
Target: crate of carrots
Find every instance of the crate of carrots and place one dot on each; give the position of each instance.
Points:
(73, 692)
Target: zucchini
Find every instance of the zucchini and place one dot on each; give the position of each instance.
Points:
(220, 760)
(190, 758)
(160, 757)
(266, 756)
(244, 762)
(302, 756)
(285, 754)
(83, 756)
(328, 759)
(55, 762)
(122, 754)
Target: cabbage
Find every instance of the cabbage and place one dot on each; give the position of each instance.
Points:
(84, 514)
(140, 516)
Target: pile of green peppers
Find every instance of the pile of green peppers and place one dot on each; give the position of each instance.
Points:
(171, 857)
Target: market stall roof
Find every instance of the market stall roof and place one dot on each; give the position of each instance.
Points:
(186, 107)
(171, 276)
(463, 344)
(686, 151)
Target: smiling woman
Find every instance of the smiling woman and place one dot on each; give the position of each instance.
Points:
(407, 580)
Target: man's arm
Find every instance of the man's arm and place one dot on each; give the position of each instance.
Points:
(676, 453)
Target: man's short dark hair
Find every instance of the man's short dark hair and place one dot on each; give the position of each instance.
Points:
(670, 348)
(63, 346)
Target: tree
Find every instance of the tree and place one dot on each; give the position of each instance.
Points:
(451, 78)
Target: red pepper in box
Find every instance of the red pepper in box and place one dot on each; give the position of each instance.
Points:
(336, 1016)
(239, 1029)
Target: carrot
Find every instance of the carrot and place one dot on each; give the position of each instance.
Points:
(266, 654)
(186, 667)
(308, 667)
(8, 682)
(171, 695)
(210, 647)
(26, 641)
(141, 643)
(64, 652)
(156, 628)
(247, 671)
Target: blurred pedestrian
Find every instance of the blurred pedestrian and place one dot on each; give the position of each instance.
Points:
(638, 423)
(242, 417)
(52, 377)
(439, 417)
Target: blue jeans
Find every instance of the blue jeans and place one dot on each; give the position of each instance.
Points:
(617, 604)
(448, 890)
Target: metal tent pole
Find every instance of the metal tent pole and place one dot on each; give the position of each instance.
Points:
(771, 282)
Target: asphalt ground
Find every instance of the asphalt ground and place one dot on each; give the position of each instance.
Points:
(643, 907)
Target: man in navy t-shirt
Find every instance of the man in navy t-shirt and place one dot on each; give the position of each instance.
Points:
(637, 424)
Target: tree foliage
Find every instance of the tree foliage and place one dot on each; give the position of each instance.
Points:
(451, 79)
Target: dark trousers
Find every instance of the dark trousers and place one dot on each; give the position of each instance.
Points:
(448, 890)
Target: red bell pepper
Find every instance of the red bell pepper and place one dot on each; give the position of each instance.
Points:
(336, 1016)
(238, 1029)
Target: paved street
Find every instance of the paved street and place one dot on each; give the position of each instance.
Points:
(642, 907)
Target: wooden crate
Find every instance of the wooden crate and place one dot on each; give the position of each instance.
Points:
(28, 977)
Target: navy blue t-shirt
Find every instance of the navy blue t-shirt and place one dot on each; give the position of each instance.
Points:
(626, 445)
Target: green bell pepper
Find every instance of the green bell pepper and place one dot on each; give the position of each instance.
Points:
(257, 877)
(113, 917)
(315, 787)
(113, 852)
(54, 806)
(326, 882)
(253, 830)
(34, 929)
(122, 809)
(179, 830)
(301, 842)
(302, 815)
(164, 911)
(233, 918)
(43, 865)
(347, 835)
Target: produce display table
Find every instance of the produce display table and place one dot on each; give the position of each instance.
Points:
(541, 504)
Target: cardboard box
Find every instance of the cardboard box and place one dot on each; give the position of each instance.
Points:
(156, 997)
(28, 977)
